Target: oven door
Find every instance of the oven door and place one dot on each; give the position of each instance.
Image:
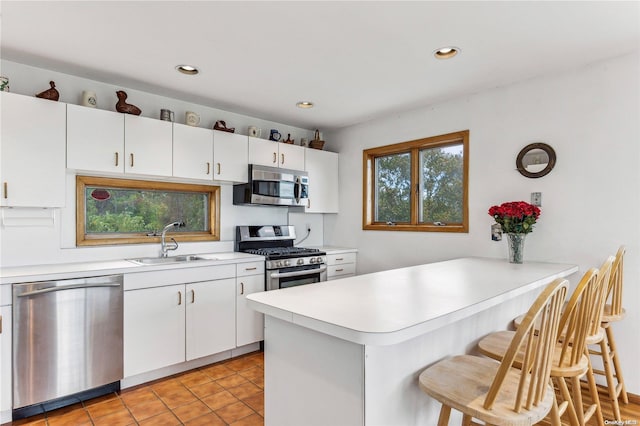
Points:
(295, 276)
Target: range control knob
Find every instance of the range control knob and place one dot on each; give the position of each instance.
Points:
(287, 263)
(312, 260)
(319, 259)
(278, 264)
(300, 261)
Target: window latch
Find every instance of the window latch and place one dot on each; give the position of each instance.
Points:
(153, 234)
(391, 223)
(439, 223)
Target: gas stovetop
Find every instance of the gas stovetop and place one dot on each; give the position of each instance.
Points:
(273, 253)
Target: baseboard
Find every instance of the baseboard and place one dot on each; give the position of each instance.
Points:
(633, 398)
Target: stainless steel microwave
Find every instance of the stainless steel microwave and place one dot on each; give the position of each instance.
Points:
(273, 186)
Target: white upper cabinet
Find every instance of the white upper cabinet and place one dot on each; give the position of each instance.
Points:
(230, 157)
(32, 151)
(322, 167)
(95, 139)
(275, 154)
(291, 156)
(148, 146)
(192, 152)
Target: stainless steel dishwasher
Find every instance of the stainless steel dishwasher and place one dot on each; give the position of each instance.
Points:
(67, 337)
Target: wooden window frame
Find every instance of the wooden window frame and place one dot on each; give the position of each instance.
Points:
(82, 239)
(413, 147)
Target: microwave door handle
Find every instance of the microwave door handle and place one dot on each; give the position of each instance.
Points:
(298, 273)
(298, 193)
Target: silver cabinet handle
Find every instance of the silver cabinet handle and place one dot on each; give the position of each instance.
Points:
(193, 296)
(179, 298)
(339, 270)
(208, 167)
(251, 269)
(339, 258)
(281, 158)
(117, 158)
(131, 155)
(275, 157)
(67, 287)
(297, 274)
(6, 190)
(241, 288)
(218, 168)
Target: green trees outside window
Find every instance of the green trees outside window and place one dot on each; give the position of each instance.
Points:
(418, 185)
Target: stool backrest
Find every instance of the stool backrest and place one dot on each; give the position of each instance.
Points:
(538, 347)
(577, 317)
(603, 287)
(615, 283)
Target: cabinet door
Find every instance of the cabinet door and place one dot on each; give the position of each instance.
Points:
(230, 157)
(148, 146)
(263, 152)
(154, 328)
(5, 364)
(249, 323)
(211, 317)
(322, 167)
(192, 152)
(32, 151)
(291, 156)
(95, 139)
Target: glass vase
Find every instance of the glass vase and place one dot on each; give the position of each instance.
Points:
(516, 247)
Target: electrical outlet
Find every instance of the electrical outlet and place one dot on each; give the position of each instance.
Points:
(536, 198)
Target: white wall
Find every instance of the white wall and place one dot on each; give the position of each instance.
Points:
(590, 201)
(55, 242)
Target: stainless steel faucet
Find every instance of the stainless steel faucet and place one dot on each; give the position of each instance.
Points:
(163, 244)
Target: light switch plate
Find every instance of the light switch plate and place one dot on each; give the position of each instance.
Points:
(536, 198)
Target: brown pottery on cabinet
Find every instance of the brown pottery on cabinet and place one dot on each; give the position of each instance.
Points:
(124, 107)
(51, 94)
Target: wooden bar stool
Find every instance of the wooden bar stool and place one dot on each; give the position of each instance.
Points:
(495, 392)
(613, 312)
(581, 315)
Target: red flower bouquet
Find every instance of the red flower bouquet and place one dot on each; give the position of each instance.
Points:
(515, 217)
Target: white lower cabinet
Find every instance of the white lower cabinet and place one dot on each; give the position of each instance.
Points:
(249, 323)
(177, 315)
(341, 265)
(154, 328)
(211, 317)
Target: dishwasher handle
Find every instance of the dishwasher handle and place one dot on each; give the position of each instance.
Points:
(68, 287)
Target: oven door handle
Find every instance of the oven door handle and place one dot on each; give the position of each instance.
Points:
(297, 274)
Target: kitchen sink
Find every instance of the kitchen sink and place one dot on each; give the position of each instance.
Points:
(168, 260)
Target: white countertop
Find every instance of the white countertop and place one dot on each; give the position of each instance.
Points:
(388, 307)
(335, 250)
(83, 269)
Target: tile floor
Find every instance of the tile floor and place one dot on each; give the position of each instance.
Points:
(225, 393)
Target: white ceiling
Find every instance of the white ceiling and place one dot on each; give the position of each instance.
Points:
(355, 60)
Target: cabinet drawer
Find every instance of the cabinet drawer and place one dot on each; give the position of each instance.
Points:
(250, 268)
(337, 270)
(338, 259)
(165, 277)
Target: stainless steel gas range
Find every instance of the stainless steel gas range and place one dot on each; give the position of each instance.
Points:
(285, 265)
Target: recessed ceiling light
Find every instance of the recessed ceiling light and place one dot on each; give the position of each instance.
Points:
(304, 104)
(187, 69)
(446, 52)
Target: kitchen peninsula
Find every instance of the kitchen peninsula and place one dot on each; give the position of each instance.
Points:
(348, 352)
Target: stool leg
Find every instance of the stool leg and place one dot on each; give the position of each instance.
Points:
(445, 412)
(554, 415)
(571, 407)
(593, 389)
(616, 364)
(611, 384)
(466, 420)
